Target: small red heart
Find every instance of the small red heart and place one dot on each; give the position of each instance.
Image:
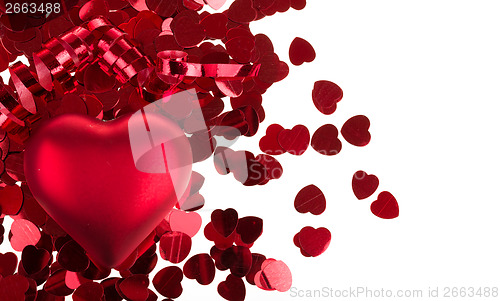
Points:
(11, 200)
(277, 275)
(24, 233)
(355, 130)
(14, 287)
(175, 246)
(242, 11)
(232, 289)
(200, 267)
(314, 241)
(215, 25)
(8, 264)
(325, 140)
(269, 143)
(240, 49)
(168, 282)
(186, 222)
(310, 199)
(34, 259)
(225, 221)
(272, 70)
(135, 287)
(294, 141)
(364, 185)
(188, 33)
(301, 51)
(249, 228)
(220, 241)
(386, 206)
(326, 95)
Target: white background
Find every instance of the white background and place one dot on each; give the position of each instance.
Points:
(427, 75)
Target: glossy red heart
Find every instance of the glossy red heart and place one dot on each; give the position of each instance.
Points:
(232, 289)
(294, 141)
(301, 51)
(269, 143)
(225, 221)
(186, 222)
(200, 267)
(310, 199)
(242, 11)
(386, 206)
(104, 183)
(355, 130)
(363, 184)
(314, 241)
(325, 140)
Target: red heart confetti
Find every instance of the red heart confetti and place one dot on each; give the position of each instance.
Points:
(249, 228)
(34, 259)
(168, 282)
(232, 289)
(301, 51)
(386, 206)
(310, 199)
(314, 241)
(11, 200)
(325, 140)
(186, 222)
(269, 143)
(8, 264)
(326, 95)
(14, 287)
(89, 291)
(294, 141)
(225, 221)
(363, 184)
(200, 267)
(276, 275)
(355, 130)
(135, 287)
(175, 246)
(241, 11)
(238, 259)
(24, 233)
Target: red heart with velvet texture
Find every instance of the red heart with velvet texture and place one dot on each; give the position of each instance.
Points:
(86, 174)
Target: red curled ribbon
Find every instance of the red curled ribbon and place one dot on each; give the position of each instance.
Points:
(100, 41)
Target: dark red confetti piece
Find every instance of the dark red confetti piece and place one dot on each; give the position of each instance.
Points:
(241, 11)
(314, 242)
(110, 292)
(238, 259)
(232, 289)
(301, 51)
(175, 246)
(310, 199)
(56, 284)
(386, 206)
(34, 259)
(90, 291)
(225, 221)
(135, 287)
(274, 170)
(325, 140)
(14, 287)
(11, 200)
(72, 257)
(168, 282)
(215, 25)
(96, 80)
(200, 267)
(187, 33)
(326, 95)
(298, 4)
(8, 264)
(269, 143)
(363, 184)
(294, 141)
(355, 130)
(249, 228)
(257, 260)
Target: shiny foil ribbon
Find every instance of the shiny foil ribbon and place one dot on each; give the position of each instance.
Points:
(97, 40)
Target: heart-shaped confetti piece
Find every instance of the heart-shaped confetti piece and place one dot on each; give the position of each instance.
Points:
(269, 143)
(325, 140)
(301, 51)
(325, 96)
(363, 184)
(168, 282)
(310, 199)
(225, 221)
(386, 206)
(232, 289)
(294, 141)
(200, 267)
(314, 241)
(186, 222)
(355, 130)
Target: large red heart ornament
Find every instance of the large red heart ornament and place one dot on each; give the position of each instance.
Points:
(87, 175)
